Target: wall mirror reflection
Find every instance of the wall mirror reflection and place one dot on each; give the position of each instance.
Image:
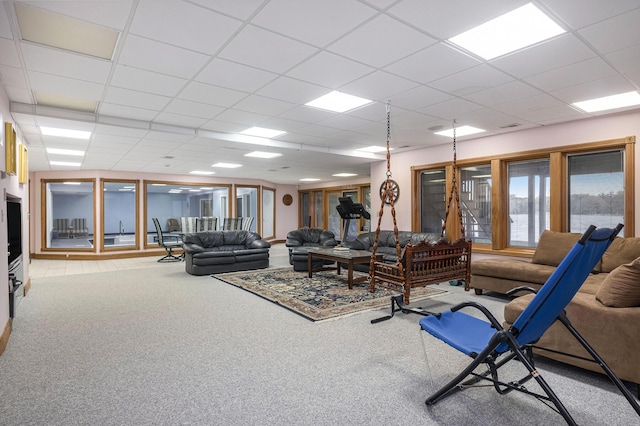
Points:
(182, 208)
(69, 215)
(119, 215)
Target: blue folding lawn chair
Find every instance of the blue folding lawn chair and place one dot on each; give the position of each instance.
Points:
(488, 343)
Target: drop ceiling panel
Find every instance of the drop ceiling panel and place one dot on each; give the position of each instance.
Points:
(291, 90)
(614, 34)
(509, 92)
(476, 79)
(238, 9)
(162, 58)
(70, 87)
(234, 76)
(432, 64)
(242, 117)
(379, 85)
(71, 65)
(263, 105)
(372, 44)
(594, 89)
(213, 95)
(12, 76)
(587, 12)
(183, 24)
(5, 29)
(561, 51)
(146, 81)
(136, 99)
(419, 97)
(329, 70)
(195, 109)
(571, 75)
(10, 54)
(266, 50)
(306, 20)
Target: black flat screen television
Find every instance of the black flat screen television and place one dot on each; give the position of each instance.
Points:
(14, 230)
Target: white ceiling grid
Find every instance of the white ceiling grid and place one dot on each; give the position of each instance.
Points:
(187, 75)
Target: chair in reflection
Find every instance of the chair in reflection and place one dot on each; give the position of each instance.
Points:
(173, 225)
(169, 243)
(207, 223)
(232, 224)
(189, 224)
(80, 227)
(61, 228)
(247, 222)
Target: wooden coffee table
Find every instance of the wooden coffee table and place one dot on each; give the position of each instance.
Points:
(350, 257)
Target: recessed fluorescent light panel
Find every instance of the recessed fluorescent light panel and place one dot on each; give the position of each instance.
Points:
(309, 180)
(512, 31)
(262, 132)
(374, 149)
(460, 131)
(65, 133)
(72, 152)
(64, 163)
(262, 154)
(338, 102)
(201, 172)
(227, 165)
(609, 102)
(344, 174)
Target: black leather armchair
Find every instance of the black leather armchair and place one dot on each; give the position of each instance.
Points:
(300, 240)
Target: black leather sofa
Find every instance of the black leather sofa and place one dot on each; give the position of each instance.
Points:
(214, 252)
(300, 240)
(387, 244)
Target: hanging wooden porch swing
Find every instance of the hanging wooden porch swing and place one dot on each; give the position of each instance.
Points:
(423, 263)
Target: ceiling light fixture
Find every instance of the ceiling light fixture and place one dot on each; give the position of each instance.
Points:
(515, 30)
(201, 172)
(373, 149)
(72, 152)
(338, 102)
(344, 174)
(262, 132)
(227, 165)
(262, 154)
(65, 133)
(460, 131)
(64, 163)
(609, 102)
(309, 180)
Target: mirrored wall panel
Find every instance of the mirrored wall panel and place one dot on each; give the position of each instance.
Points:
(69, 215)
(182, 208)
(119, 215)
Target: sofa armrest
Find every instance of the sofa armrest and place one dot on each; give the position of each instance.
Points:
(257, 244)
(355, 244)
(192, 248)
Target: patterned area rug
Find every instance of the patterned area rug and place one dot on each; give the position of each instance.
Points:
(322, 297)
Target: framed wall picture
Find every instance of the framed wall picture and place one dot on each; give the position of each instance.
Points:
(23, 175)
(11, 166)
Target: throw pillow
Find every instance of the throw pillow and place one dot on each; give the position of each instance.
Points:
(553, 247)
(621, 288)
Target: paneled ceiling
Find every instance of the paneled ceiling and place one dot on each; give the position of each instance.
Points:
(186, 76)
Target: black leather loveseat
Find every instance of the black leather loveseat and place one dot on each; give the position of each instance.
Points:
(300, 240)
(387, 244)
(214, 252)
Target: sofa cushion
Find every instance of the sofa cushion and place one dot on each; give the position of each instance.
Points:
(621, 287)
(553, 247)
(512, 269)
(621, 251)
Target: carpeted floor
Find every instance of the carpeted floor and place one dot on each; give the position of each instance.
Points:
(156, 346)
(325, 296)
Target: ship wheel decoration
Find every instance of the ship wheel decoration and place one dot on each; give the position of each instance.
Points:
(389, 191)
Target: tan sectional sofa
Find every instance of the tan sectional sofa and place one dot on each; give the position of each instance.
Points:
(606, 310)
